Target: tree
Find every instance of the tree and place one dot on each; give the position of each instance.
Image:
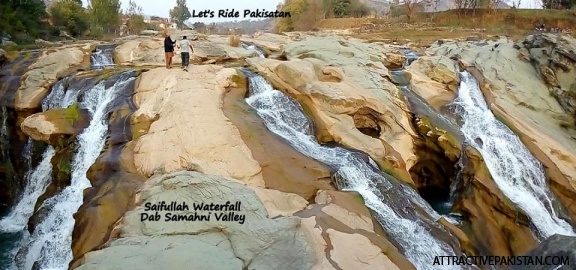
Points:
(104, 16)
(70, 15)
(22, 17)
(341, 8)
(135, 23)
(180, 13)
(412, 5)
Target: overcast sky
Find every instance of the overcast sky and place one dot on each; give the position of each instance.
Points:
(162, 7)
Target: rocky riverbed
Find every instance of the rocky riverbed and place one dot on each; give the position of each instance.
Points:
(135, 134)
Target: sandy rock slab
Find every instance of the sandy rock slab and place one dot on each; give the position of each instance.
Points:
(49, 67)
(181, 125)
(247, 240)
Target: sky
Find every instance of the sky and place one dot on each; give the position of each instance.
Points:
(162, 7)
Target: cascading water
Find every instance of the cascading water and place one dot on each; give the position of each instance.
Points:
(36, 179)
(4, 136)
(102, 57)
(254, 48)
(49, 246)
(392, 202)
(410, 57)
(516, 172)
(36, 182)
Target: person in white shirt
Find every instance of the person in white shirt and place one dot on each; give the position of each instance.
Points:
(184, 52)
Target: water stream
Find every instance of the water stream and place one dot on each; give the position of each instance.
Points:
(49, 246)
(405, 216)
(102, 57)
(252, 47)
(518, 174)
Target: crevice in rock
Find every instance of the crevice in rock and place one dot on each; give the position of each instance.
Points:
(434, 171)
(366, 120)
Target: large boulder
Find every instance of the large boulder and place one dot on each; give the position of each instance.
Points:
(51, 125)
(48, 68)
(556, 56)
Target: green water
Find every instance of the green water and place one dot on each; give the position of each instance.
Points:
(8, 242)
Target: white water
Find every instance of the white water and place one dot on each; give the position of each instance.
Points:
(50, 243)
(4, 127)
(516, 172)
(37, 179)
(255, 49)
(102, 58)
(392, 202)
(59, 97)
(36, 182)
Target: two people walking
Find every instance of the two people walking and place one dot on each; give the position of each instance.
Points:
(184, 45)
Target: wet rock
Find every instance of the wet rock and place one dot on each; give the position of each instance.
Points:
(3, 58)
(556, 245)
(113, 177)
(490, 213)
(283, 168)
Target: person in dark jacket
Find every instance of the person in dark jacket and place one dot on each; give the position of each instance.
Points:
(169, 50)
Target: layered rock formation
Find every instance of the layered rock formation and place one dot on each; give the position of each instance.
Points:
(51, 65)
(519, 95)
(341, 84)
(189, 137)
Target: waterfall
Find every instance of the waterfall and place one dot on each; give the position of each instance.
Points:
(254, 48)
(102, 57)
(50, 243)
(392, 202)
(516, 172)
(410, 57)
(4, 136)
(36, 182)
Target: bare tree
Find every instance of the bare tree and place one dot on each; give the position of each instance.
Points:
(412, 5)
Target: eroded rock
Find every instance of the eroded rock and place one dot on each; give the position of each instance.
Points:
(333, 103)
(49, 67)
(517, 95)
(56, 125)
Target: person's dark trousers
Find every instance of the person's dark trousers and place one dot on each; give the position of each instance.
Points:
(185, 59)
